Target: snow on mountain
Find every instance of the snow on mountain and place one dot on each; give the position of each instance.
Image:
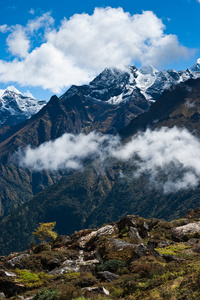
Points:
(15, 107)
(117, 86)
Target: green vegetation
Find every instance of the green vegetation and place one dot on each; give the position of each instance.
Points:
(45, 231)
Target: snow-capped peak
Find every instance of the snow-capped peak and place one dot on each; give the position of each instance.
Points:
(16, 107)
(196, 66)
(13, 89)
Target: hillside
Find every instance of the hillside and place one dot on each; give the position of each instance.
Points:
(99, 193)
(133, 258)
(106, 105)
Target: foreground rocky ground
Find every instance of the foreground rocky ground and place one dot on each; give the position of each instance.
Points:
(135, 258)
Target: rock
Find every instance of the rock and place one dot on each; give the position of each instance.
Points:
(163, 244)
(119, 245)
(144, 250)
(51, 264)
(97, 290)
(106, 230)
(134, 235)
(106, 275)
(75, 265)
(2, 295)
(4, 273)
(9, 287)
(182, 231)
(130, 221)
(192, 242)
(16, 262)
(61, 241)
(41, 247)
(197, 249)
(170, 258)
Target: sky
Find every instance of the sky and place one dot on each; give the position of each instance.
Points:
(46, 46)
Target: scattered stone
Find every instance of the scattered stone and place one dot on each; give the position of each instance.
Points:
(98, 290)
(16, 262)
(106, 275)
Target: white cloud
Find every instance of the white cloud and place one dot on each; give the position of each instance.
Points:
(18, 43)
(169, 157)
(32, 11)
(28, 94)
(174, 153)
(85, 44)
(66, 152)
(45, 21)
(4, 28)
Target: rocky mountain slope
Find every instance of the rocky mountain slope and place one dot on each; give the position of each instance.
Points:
(133, 258)
(15, 107)
(93, 196)
(107, 105)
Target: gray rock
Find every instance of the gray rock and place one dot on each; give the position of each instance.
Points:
(106, 275)
(103, 231)
(16, 262)
(2, 295)
(120, 244)
(134, 235)
(4, 273)
(98, 290)
(181, 231)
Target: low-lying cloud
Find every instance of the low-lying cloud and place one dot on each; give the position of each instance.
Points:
(83, 45)
(170, 157)
(67, 152)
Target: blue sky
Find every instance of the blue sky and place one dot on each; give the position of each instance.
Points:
(43, 51)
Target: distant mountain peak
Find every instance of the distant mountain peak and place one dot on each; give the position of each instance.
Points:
(16, 107)
(196, 66)
(12, 89)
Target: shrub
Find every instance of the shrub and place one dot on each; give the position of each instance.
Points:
(31, 279)
(111, 265)
(46, 294)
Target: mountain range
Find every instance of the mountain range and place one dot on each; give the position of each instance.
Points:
(116, 101)
(93, 196)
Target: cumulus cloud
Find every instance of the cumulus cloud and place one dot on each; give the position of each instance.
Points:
(18, 43)
(170, 158)
(85, 44)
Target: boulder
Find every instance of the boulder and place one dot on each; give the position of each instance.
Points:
(91, 237)
(182, 232)
(106, 275)
(134, 235)
(16, 262)
(97, 290)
